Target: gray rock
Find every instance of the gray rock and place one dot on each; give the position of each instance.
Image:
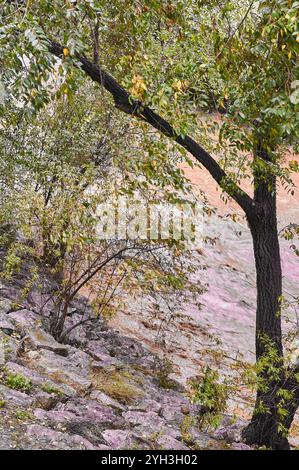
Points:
(5, 305)
(118, 439)
(39, 339)
(106, 400)
(38, 379)
(23, 319)
(58, 369)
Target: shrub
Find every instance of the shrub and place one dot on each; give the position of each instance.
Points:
(117, 385)
(212, 395)
(18, 382)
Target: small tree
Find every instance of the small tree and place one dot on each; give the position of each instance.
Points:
(52, 196)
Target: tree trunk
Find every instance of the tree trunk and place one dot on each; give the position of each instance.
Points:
(264, 427)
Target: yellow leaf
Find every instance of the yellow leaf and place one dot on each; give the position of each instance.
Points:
(177, 85)
(66, 52)
(139, 87)
(180, 85)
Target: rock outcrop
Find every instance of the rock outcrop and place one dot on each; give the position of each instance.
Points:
(99, 390)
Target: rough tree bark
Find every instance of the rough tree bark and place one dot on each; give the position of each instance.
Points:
(264, 427)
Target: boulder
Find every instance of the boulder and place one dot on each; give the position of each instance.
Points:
(106, 400)
(23, 319)
(59, 369)
(38, 379)
(14, 397)
(39, 339)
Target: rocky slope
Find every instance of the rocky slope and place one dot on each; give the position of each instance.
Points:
(106, 387)
(102, 390)
(226, 319)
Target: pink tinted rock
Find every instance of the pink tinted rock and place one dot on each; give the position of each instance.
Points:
(15, 397)
(106, 400)
(23, 319)
(240, 446)
(46, 438)
(118, 439)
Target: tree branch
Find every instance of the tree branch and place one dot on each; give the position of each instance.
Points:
(236, 30)
(125, 103)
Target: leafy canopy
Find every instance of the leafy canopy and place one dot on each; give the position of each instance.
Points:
(180, 57)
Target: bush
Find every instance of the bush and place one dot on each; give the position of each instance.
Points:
(212, 395)
(18, 382)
